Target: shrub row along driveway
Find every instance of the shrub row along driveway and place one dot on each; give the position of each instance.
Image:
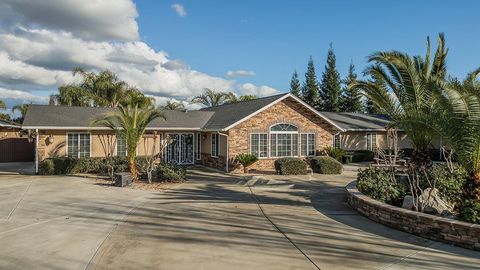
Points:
(211, 222)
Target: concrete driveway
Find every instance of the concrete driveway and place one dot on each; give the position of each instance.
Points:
(211, 222)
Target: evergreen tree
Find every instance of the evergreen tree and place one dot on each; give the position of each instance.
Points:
(330, 88)
(295, 85)
(310, 86)
(350, 101)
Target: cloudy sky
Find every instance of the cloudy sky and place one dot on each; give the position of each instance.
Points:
(174, 49)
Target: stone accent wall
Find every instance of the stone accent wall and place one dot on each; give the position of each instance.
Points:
(437, 228)
(286, 111)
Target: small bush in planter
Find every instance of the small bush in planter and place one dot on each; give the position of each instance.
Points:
(334, 152)
(378, 184)
(46, 167)
(470, 212)
(449, 183)
(171, 172)
(290, 166)
(326, 165)
(246, 160)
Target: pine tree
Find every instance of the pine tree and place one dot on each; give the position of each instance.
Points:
(350, 101)
(295, 85)
(310, 86)
(330, 89)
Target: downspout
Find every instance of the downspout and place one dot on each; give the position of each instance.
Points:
(227, 157)
(36, 151)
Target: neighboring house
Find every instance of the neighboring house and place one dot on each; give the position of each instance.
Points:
(13, 147)
(269, 127)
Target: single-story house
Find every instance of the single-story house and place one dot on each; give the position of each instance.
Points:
(269, 127)
(14, 147)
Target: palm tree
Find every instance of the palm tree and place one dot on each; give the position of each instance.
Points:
(211, 98)
(411, 83)
(460, 123)
(233, 98)
(133, 96)
(173, 105)
(22, 108)
(129, 122)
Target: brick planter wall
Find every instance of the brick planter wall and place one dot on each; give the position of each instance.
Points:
(437, 228)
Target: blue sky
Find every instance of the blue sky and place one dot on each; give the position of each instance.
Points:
(272, 38)
(172, 50)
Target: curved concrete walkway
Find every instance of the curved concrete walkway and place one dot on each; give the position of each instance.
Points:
(213, 221)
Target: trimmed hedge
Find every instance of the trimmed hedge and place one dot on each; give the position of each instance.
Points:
(66, 165)
(362, 155)
(326, 165)
(171, 172)
(290, 166)
(57, 165)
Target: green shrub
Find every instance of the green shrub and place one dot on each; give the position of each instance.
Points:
(378, 184)
(290, 166)
(326, 165)
(362, 155)
(46, 167)
(334, 152)
(450, 184)
(246, 160)
(171, 172)
(470, 211)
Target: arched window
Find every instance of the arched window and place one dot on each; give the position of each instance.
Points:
(283, 140)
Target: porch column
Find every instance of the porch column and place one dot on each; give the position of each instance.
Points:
(36, 150)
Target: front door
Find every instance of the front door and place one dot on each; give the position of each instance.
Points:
(180, 150)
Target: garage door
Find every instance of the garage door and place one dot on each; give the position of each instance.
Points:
(16, 150)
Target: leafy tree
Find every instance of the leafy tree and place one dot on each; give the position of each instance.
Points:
(211, 98)
(310, 86)
(232, 98)
(330, 89)
(4, 116)
(295, 87)
(411, 83)
(3, 106)
(350, 101)
(173, 105)
(129, 122)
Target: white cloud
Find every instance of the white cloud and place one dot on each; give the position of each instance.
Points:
(239, 73)
(39, 59)
(179, 9)
(21, 96)
(95, 20)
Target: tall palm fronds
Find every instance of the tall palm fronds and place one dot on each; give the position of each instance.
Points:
(173, 105)
(233, 98)
(411, 83)
(211, 98)
(129, 122)
(22, 108)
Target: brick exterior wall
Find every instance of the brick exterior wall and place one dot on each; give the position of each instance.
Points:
(287, 111)
(437, 228)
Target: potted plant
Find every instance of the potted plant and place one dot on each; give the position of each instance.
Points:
(246, 160)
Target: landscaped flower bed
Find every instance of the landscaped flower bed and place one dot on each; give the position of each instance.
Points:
(433, 227)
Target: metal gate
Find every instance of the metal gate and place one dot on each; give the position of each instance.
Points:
(180, 150)
(16, 150)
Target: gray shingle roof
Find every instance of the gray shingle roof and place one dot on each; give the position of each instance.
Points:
(228, 114)
(358, 121)
(64, 116)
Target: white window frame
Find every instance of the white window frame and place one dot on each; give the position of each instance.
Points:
(276, 133)
(216, 139)
(339, 140)
(308, 140)
(78, 143)
(268, 144)
(373, 140)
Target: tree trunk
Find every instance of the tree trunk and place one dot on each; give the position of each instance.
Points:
(133, 169)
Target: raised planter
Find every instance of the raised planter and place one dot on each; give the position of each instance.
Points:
(437, 228)
(122, 179)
